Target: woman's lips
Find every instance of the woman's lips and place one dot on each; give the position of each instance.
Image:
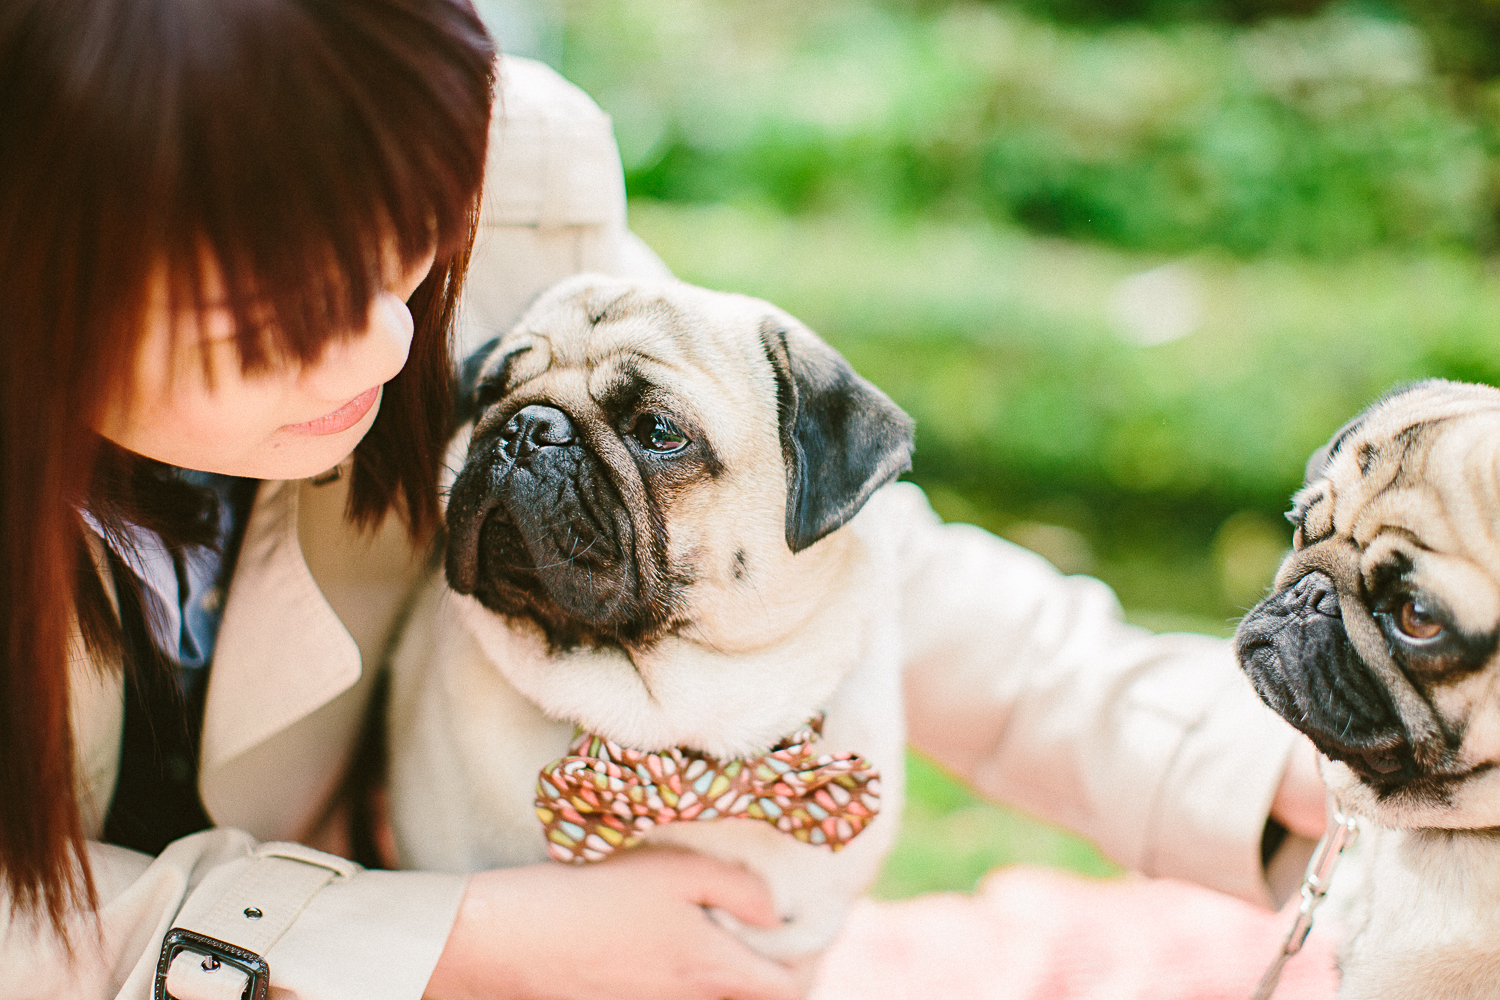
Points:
(342, 419)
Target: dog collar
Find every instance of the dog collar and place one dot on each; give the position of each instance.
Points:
(602, 796)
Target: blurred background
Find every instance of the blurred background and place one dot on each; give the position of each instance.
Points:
(1127, 263)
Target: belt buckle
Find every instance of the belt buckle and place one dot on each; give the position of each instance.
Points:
(179, 940)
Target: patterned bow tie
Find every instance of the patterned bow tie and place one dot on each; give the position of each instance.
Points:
(603, 797)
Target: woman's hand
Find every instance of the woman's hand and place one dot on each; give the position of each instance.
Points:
(630, 928)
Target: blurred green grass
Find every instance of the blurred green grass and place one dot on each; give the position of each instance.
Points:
(950, 838)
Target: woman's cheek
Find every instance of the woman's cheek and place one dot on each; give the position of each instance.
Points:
(372, 357)
(232, 420)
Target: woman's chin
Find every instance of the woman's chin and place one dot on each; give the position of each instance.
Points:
(290, 455)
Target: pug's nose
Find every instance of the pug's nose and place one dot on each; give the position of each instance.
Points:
(1315, 592)
(534, 428)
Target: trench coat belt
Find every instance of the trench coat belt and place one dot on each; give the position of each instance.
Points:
(221, 956)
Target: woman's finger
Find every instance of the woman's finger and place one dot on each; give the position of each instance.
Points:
(741, 974)
(762, 979)
(732, 888)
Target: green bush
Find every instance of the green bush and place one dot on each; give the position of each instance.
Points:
(1323, 137)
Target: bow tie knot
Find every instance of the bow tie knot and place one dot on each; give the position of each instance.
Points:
(602, 797)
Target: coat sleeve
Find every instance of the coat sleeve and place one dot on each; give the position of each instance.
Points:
(553, 203)
(367, 934)
(1029, 685)
(370, 935)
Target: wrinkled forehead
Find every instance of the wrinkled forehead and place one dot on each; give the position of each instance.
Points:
(1388, 444)
(1432, 480)
(607, 334)
(1403, 412)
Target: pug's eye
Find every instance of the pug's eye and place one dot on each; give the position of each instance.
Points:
(1416, 622)
(659, 435)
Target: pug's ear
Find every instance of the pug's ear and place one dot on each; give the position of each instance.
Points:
(465, 405)
(841, 438)
(1317, 462)
(482, 380)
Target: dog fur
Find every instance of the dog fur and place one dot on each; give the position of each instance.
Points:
(714, 596)
(1379, 643)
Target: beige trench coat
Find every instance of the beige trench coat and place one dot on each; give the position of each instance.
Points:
(1024, 682)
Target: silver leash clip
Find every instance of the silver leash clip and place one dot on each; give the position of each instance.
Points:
(1342, 832)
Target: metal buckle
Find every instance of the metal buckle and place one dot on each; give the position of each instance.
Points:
(179, 940)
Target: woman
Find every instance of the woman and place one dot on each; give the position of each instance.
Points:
(212, 220)
(231, 242)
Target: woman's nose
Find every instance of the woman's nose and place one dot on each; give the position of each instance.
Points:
(368, 358)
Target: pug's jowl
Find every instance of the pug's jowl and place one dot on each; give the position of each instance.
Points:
(1379, 643)
(666, 528)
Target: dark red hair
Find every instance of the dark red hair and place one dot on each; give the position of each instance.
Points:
(286, 147)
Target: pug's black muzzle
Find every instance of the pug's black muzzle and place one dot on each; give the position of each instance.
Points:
(536, 528)
(1297, 652)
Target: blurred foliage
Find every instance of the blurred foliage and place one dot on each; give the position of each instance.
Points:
(1322, 136)
(950, 838)
(1464, 34)
(1166, 11)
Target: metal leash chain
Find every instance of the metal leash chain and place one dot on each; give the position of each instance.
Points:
(1342, 833)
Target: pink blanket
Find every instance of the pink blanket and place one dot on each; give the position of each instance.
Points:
(1034, 934)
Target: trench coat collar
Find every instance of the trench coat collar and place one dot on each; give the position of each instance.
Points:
(282, 651)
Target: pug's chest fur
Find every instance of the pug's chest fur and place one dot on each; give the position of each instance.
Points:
(480, 704)
(1420, 915)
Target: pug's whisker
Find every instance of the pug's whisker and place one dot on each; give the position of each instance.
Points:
(704, 639)
(555, 525)
(568, 559)
(589, 573)
(574, 555)
(760, 598)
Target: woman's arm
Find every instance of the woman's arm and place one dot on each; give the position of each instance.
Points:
(1029, 685)
(365, 934)
(632, 928)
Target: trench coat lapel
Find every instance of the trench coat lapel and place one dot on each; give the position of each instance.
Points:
(282, 651)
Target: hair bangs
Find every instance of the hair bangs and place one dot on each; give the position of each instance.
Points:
(319, 151)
